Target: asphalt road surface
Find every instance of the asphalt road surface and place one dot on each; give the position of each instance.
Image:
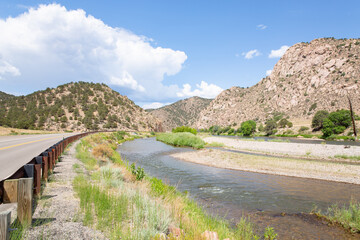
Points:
(16, 151)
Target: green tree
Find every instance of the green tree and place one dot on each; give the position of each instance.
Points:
(283, 123)
(270, 127)
(318, 119)
(247, 128)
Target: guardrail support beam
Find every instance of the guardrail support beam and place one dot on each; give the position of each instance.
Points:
(25, 197)
(11, 190)
(5, 219)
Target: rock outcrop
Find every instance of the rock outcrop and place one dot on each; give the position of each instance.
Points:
(308, 77)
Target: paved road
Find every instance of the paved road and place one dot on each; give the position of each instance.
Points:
(15, 151)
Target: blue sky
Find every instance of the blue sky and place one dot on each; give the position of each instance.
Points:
(199, 44)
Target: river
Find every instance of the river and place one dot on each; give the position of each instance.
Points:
(278, 201)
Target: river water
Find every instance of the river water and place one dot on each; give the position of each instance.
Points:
(278, 201)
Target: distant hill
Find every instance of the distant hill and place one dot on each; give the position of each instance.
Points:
(308, 77)
(76, 106)
(5, 96)
(180, 113)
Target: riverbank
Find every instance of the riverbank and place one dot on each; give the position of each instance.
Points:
(123, 202)
(322, 151)
(286, 166)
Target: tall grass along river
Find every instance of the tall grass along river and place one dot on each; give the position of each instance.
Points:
(269, 200)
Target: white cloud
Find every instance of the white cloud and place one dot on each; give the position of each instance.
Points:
(153, 105)
(127, 81)
(251, 54)
(203, 90)
(261, 26)
(50, 45)
(8, 69)
(279, 52)
(268, 72)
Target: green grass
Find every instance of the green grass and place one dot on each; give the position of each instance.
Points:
(348, 157)
(181, 139)
(347, 216)
(215, 144)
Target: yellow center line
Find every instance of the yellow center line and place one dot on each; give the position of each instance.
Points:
(27, 143)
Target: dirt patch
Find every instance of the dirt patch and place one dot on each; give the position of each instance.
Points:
(57, 214)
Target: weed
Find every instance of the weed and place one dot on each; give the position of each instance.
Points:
(349, 217)
(348, 157)
(270, 234)
(215, 144)
(138, 173)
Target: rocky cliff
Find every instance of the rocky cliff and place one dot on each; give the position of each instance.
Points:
(308, 77)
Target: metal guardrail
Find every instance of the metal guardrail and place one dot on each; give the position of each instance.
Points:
(26, 182)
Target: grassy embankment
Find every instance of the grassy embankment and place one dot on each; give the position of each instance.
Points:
(123, 203)
(347, 216)
(181, 139)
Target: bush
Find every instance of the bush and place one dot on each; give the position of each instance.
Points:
(184, 129)
(336, 123)
(181, 139)
(138, 173)
(318, 119)
(261, 128)
(284, 123)
(248, 127)
(303, 129)
(270, 127)
(102, 150)
(341, 118)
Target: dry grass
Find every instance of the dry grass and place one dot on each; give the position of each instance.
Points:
(102, 151)
(5, 131)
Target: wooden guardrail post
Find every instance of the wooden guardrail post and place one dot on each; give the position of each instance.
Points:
(10, 190)
(37, 175)
(54, 156)
(25, 197)
(5, 220)
(50, 159)
(45, 166)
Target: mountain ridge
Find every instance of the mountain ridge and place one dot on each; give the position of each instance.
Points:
(308, 77)
(78, 106)
(181, 113)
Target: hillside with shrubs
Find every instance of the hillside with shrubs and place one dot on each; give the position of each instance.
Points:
(181, 113)
(78, 106)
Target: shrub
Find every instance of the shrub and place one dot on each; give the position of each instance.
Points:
(341, 118)
(214, 129)
(181, 139)
(336, 123)
(303, 129)
(184, 129)
(248, 127)
(284, 122)
(261, 128)
(138, 173)
(318, 119)
(312, 107)
(270, 127)
(102, 150)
